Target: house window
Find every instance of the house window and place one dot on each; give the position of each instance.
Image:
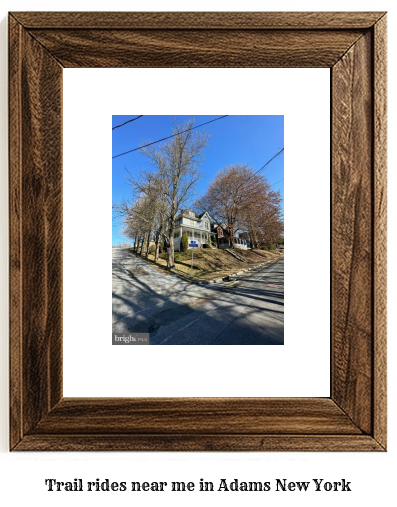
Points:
(189, 234)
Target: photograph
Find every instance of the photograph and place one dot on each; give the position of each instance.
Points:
(197, 229)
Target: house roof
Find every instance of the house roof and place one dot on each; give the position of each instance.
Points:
(205, 213)
(191, 214)
(221, 225)
(187, 213)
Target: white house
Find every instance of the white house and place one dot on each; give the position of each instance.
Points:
(196, 227)
(242, 244)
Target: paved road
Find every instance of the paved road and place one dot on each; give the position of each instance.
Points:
(246, 311)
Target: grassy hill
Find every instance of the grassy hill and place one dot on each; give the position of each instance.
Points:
(216, 263)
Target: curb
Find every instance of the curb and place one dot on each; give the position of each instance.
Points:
(219, 279)
(198, 282)
(227, 277)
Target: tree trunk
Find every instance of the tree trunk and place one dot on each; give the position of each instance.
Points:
(147, 244)
(253, 238)
(142, 241)
(231, 239)
(156, 254)
(170, 250)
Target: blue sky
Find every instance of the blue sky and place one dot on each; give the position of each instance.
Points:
(249, 140)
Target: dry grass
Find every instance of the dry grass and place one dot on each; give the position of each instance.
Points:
(209, 264)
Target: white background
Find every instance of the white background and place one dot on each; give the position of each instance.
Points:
(288, 370)
(372, 475)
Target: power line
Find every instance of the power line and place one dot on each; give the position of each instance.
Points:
(169, 137)
(125, 123)
(267, 163)
(272, 185)
(256, 172)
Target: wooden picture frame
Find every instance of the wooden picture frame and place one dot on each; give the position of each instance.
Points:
(353, 46)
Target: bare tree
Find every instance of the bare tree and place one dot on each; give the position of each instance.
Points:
(144, 217)
(137, 222)
(155, 210)
(176, 174)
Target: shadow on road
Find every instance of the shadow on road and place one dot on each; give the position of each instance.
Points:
(175, 312)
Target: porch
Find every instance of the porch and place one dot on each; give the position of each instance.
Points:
(201, 237)
(242, 244)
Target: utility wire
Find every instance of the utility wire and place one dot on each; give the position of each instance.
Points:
(125, 123)
(272, 185)
(256, 172)
(267, 163)
(169, 137)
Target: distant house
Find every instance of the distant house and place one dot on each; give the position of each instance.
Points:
(196, 227)
(225, 241)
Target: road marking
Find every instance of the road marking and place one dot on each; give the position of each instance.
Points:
(240, 313)
(205, 314)
(134, 313)
(190, 323)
